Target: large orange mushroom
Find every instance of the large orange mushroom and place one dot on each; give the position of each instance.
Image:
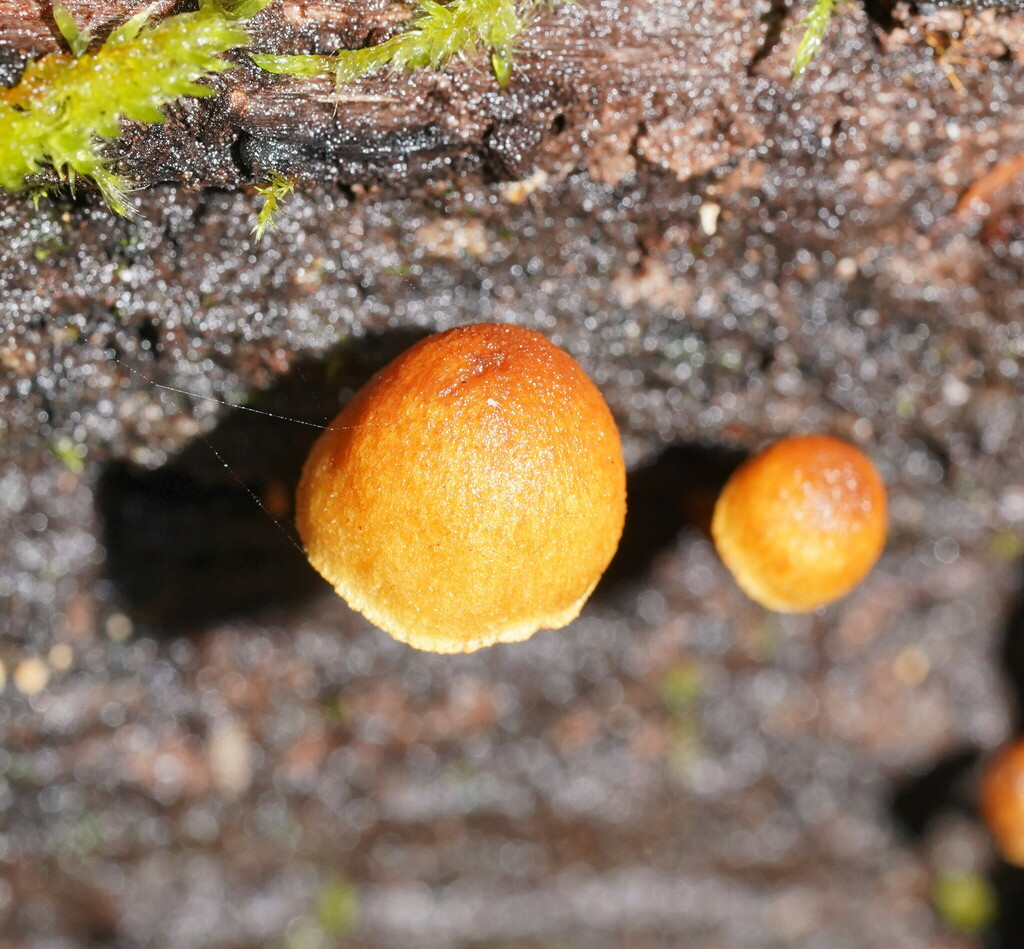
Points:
(472, 492)
(802, 523)
(1002, 801)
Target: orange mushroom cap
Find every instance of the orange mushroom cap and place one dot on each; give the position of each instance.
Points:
(801, 524)
(472, 492)
(1002, 802)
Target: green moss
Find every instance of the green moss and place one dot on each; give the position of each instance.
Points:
(71, 454)
(681, 687)
(338, 908)
(1005, 547)
(273, 193)
(68, 106)
(436, 34)
(815, 25)
(965, 901)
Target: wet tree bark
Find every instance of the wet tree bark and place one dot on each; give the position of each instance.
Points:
(685, 86)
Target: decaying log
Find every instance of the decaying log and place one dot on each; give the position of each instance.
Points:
(651, 83)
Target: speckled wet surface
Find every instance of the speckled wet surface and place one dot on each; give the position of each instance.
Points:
(203, 747)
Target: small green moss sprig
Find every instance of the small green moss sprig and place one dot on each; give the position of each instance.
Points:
(68, 106)
(815, 25)
(436, 34)
(277, 188)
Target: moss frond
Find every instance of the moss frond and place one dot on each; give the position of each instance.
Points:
(68, 106)
(815, 25)
(78, 40)
(273, 193)
(437, 33)
(303, 66)
(240, 9)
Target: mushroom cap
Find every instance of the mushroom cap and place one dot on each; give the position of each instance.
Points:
(472, 492)
(801, 524)
(1002, 802)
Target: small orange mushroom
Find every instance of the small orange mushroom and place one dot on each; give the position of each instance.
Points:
(472, 492)
(1002, 802)
(801, 524)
